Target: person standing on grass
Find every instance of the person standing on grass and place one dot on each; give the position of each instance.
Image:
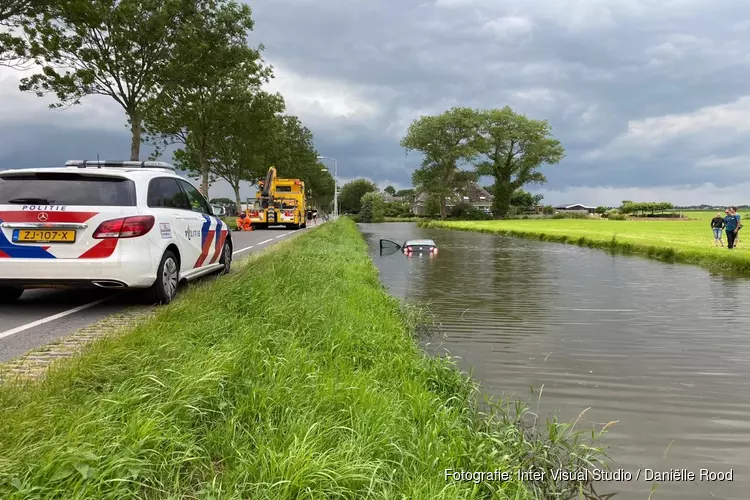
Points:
(315, 217)
(717, 225)
(730, 226)
(739, 226)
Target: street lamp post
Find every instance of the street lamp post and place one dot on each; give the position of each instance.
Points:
(335, 184)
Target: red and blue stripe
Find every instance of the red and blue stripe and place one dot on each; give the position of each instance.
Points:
(221, 236)
(207, 236)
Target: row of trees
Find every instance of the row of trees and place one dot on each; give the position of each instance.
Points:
(632, 207)
(463, 144)
(183, 73)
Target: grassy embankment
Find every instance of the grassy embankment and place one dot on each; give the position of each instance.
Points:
(296, 377)
(404, 219)
(686, 241)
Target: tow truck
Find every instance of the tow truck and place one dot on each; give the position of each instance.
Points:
(278, 202)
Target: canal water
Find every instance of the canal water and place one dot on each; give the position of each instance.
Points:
(663, 349)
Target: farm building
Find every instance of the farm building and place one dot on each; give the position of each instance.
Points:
(576, 207)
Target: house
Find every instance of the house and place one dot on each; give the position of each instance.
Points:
(388, 198)
(474, 195)
(576, 207)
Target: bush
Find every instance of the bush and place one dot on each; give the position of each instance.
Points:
(616, 216)
(549, 210)
(397, 209)
(601, 210)
(662, 216)
(464, 211)
(571, 215)
(373, 208)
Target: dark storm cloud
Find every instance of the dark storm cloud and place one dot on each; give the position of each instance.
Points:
(641, 93)
(590, 68)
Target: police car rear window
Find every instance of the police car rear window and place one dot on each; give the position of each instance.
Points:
(66, 189)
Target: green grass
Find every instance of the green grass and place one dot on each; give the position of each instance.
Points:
(403, 219)
(296, 377)
(231, 222)
(688, 241)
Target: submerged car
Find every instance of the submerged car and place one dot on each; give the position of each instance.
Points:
(420, 246)
(409, 247)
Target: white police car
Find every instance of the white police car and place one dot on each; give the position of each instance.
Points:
(106, 224)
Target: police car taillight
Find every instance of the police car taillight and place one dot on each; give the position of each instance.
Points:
(127, 227)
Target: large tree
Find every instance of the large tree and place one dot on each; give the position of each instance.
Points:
(514, 147)
(350, 196)
(250, 133)
(446, 141)
(122, 49)
(213, 70)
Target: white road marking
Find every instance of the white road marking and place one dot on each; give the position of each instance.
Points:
(266, 241)
(281, 236)
(241, 250)
(18, 329)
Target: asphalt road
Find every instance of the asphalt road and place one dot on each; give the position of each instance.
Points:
(43, 316)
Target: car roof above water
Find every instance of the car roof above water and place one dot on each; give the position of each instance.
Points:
(420, 243)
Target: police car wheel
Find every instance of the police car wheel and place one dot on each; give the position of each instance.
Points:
(164, 289)
(226, 258)
(9, 294)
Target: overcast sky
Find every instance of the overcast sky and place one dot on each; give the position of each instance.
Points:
(650, 98)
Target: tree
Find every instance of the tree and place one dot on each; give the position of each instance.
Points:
(250, 131)
(350, 196)
(121, 49)
(432, 206)
(390, 190)
(294, 155)
(321, 185)
(13, 15)
(212, 67)
(373, 207)
(514, 147)
(524, 200)
(446, 141)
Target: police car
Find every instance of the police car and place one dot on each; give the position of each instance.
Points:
(106, 224)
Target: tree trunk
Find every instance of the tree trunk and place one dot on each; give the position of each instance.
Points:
(443, 208)
(503, 193)
(204, 178)
(236, 188)
(135, 136)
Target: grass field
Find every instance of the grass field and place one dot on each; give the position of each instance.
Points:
(688, 241)
(297, 377)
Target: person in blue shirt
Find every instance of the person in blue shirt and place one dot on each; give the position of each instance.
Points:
(731, 224)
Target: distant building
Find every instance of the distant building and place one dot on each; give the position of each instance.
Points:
(576, 207)
(388, 198)
(474, 195)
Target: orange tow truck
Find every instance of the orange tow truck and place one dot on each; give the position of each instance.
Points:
(278, 202)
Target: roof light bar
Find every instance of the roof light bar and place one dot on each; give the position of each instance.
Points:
(118, 163)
